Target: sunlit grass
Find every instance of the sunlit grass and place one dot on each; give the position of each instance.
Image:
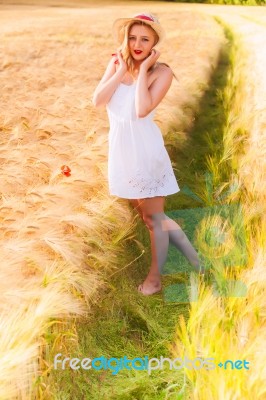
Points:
(227, 327)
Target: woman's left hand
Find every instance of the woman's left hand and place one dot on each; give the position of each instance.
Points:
(151, 59)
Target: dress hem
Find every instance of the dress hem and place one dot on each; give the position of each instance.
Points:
(144, 197)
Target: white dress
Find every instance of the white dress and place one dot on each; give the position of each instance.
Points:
(138, 163)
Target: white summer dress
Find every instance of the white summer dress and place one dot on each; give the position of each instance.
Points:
(138, 163)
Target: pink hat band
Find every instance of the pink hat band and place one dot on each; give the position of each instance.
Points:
(142, 16)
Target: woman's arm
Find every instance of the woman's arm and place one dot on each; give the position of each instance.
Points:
(148, 98)
(109, 82)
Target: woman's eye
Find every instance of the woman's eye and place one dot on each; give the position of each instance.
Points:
(144, 39)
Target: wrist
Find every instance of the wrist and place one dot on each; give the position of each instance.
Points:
(143, 68)
(121, 71)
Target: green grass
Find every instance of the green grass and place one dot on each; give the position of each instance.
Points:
(204, 148)
(125, 323)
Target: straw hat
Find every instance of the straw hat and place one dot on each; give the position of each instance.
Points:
(149, 19)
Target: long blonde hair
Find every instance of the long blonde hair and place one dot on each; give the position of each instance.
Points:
(125, 47)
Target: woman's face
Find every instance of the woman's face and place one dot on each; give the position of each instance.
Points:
(141, 40)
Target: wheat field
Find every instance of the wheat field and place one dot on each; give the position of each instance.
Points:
(61, 235)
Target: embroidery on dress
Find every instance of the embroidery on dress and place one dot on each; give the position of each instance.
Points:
(151, 185)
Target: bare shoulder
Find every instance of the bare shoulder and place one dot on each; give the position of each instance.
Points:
(162, 71)
(165, 69)
(162, 75)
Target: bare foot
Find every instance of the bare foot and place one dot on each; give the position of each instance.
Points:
(150, 286)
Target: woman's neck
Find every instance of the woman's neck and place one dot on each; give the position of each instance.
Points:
(135, 72)
(136, 68)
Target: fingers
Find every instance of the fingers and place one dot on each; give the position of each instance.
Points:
(118, 53)
(116, 58)
(119, 56)
(155, 53)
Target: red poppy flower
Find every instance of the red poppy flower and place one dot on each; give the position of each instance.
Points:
(65, 170)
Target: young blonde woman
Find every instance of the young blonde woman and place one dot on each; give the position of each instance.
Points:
(139, 167)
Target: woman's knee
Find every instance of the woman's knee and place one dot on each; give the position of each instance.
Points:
(154, 220)
(152, 210)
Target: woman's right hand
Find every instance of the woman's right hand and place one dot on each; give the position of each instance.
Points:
(120, 61)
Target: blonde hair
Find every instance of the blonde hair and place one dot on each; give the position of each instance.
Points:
(125, 47)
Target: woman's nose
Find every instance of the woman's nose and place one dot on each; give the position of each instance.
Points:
(137, 43)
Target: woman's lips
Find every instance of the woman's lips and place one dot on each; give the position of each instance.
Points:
(137, 51)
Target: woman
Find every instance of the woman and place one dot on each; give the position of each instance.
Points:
(139, 167)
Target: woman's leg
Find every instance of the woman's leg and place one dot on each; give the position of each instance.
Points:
(179, 239)
(152, 210)
(163, 229)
